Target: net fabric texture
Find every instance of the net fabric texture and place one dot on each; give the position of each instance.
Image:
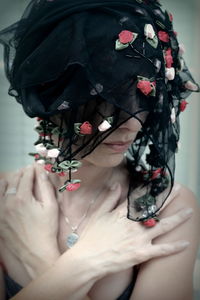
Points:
(86, 67)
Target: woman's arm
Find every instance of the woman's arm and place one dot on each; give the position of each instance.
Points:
(171, 277)
(71, 277)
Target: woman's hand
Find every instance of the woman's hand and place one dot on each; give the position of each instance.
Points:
(115, 243)
(29, 219)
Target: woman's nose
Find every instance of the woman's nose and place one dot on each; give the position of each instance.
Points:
(132, 124)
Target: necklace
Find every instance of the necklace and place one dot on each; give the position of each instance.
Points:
(73, 237)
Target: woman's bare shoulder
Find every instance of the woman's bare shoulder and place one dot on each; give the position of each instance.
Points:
(183, 198)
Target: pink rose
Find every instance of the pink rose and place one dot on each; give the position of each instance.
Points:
(156, 173)
(73, 186)
(145, 87)
(126, 36)
(48, 167)
(183, 105)
(86, 128)
(149, 222)
(168, 58)
(163, 36)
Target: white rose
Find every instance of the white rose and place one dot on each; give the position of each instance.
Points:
(170, 73)
(149, 31)
(41, 149)
(105, 125)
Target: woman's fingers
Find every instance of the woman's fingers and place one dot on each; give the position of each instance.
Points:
(169, 223)
(3, 186)
(43, 188)
(25, 183)
(157, 250)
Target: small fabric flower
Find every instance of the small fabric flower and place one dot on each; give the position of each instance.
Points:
(151, 36)
(37, 156)
(70, 186)
(53, 153)
(149, 31)
(147, 87)
(183, 105)
(41, 149)
(191, 86)
(173, 115)
(86, 128)
(48, 167)
(163, 36)
(40, 161)
(150, 222)
(73, 186)
(106, 124)
(168, 58)
(83, 128)
(67, 164)
(156, 173)
(126, 38)
(170, 73)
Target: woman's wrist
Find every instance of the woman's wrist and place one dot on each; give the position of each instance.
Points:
(37, 263)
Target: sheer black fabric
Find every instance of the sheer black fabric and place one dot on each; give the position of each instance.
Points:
(71, 62)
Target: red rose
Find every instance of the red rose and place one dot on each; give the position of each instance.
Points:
(145, 87)
(163, 36)
(183, 105)
(168, 58)
(149, 222)
(156, 173)
(44, 134)
(86, 128)
(73, 186)
(126, 36)
(48, 167)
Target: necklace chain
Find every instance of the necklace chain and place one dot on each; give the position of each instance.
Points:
(73, 237)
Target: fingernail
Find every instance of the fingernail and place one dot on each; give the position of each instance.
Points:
(114, 186)
(184, 244)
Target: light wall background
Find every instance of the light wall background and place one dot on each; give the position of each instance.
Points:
(17, 135)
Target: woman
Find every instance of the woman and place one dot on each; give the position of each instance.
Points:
(107, 81)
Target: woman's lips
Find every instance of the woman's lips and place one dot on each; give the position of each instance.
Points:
(118, 146)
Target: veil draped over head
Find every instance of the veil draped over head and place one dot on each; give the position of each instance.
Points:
(84, 67)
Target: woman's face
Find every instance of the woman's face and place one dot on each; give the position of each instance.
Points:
(111, 151)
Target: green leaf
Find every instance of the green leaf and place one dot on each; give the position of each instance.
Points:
(67, 164)
(153, 42)
(120, 46)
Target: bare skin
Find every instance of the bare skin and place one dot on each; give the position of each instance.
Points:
(109, 270)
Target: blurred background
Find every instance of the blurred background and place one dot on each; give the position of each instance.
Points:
(16, 129)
